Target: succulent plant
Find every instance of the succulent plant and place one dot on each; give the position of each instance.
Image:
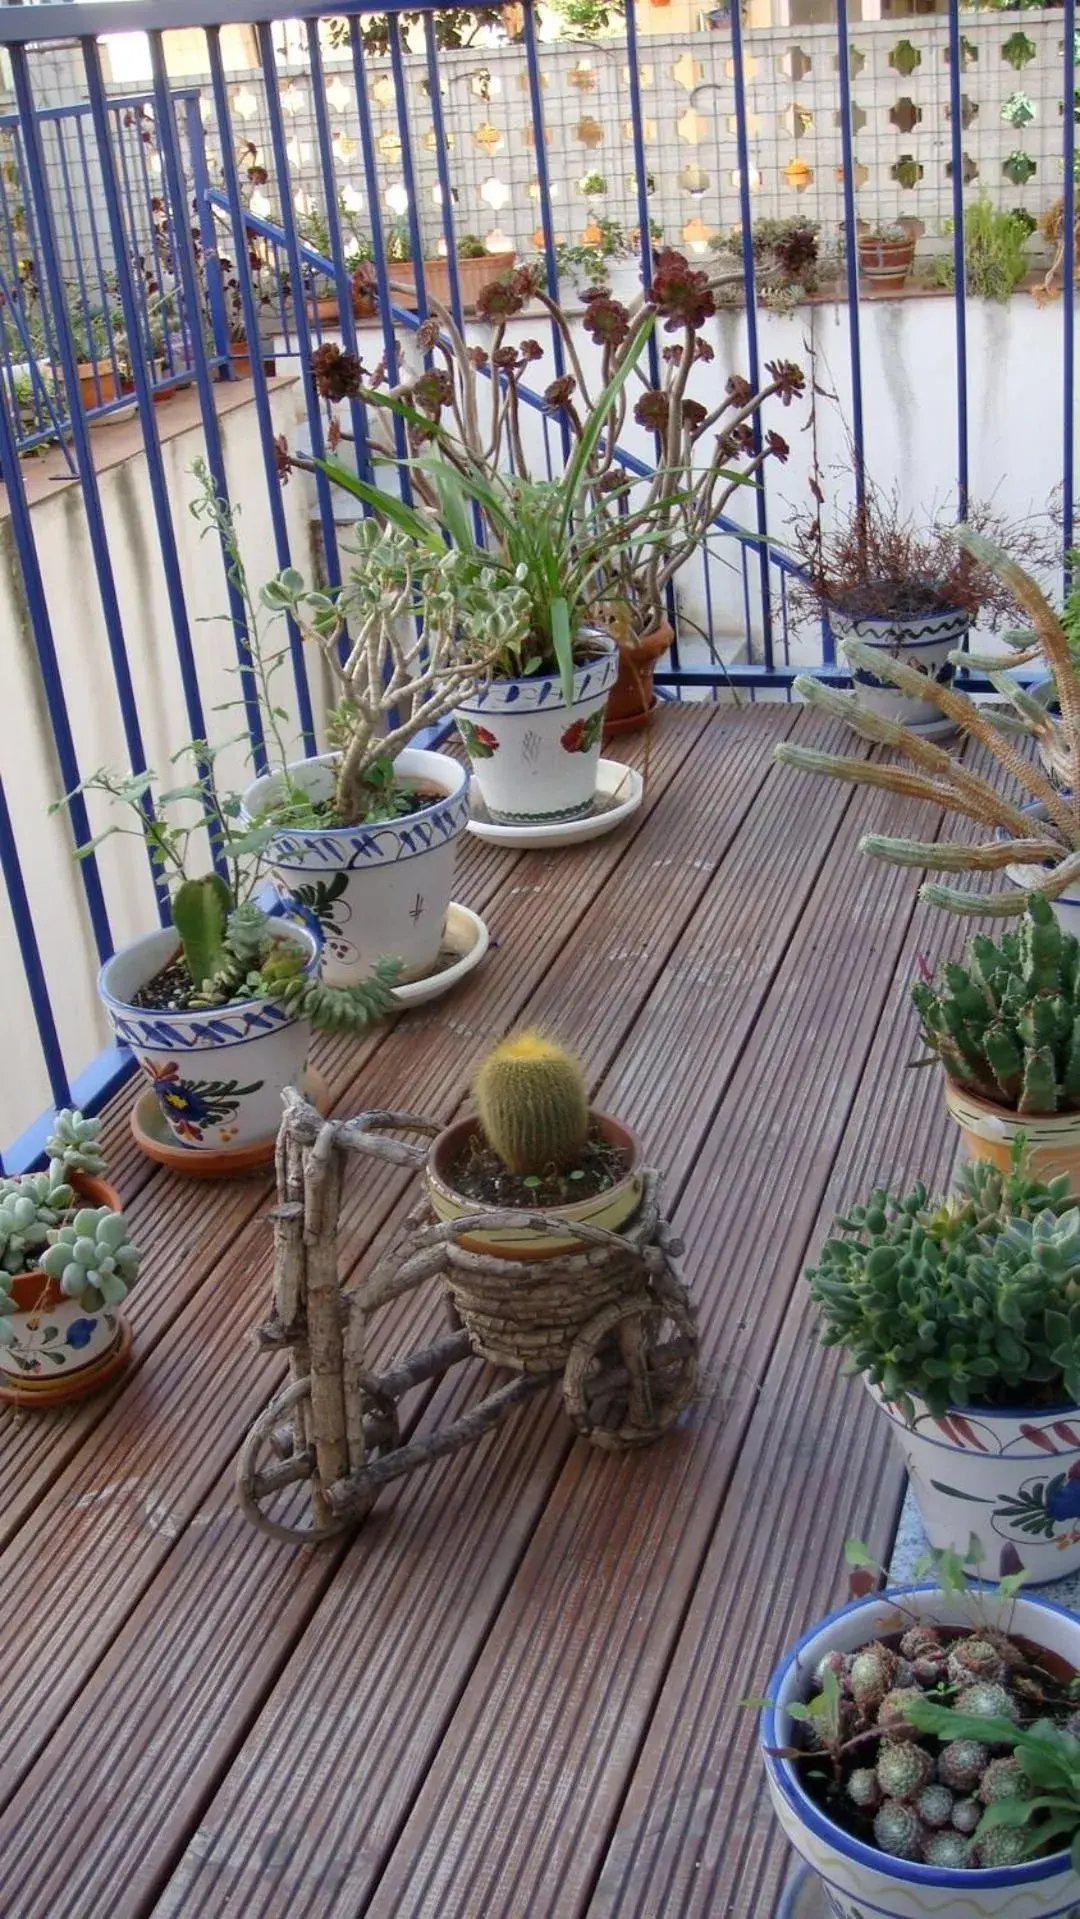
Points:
(975, 1658)
(934, 1805)
(871, 1674)
(30, 1209)
(1002, 1846)
(73, 1146)
(985, 1700)
(961, 1764)
(1003, 1779)
(966, 1814)
(93, 1258)
(903, 1770)
(533, 1104)
(949, 1849)
(898, 1830)
(1007, 1023)
(863, 1789)
(891, 1712)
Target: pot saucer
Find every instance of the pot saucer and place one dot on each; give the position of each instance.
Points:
(59, 1391)
(465, 941)
(619, 793)
(152, 1137)
(803, 1897)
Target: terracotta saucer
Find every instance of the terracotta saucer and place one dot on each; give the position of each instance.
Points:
(59, 1391)
(152, 1137)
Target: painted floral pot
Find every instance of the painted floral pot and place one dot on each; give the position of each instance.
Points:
(610, 1209)
(1010, 1478)
(988, 1132)
(378, 891)
(58, 1350)
(534, 758)
(925, 640)
(218, 1073)
(1066, 907)
(858, 1881)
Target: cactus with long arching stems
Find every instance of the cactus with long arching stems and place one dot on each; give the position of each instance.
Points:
(1044, 833)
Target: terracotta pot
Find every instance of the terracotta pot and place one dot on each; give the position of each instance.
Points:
(610, 1209)
(473, 276)
(60, 1351)
(988, 1132)
(240, 361)
(885, 264)
(633, 697)
(97, 383)
(327, 311)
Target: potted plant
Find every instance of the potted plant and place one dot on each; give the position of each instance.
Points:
(1003, 1027)
(218, 1006)
(632, 534)
(921, 1753)
(365, 836)
(786, 258)
(886, 252)
(963, 1317)
(478, 266)
(1037, 842)
(534, 1144)
(66, 1265)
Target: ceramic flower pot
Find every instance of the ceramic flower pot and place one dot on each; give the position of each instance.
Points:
(858, 1881)
(633, 695)
(884, 265)
(1066, 907)
(58, 1350)
(1010, 1478)
(379, 891)
(988, 1132)
(218, 1073)
(924, 640)
(610, 1209)
(534, 758)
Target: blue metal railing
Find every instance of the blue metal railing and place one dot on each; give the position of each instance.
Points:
(117, 213)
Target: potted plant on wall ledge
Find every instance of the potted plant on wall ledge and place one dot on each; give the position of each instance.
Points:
(963, 1317)
(478, 264)
(886, 253)
(66, 1265)
(921, 1753)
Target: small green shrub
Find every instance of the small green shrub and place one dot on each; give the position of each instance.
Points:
(995, 262)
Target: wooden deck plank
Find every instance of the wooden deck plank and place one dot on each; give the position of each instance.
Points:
(526, 1782)
(203, 1375)
(348, 1635)
(729, 776)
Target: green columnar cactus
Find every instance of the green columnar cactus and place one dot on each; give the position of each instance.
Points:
(200, 912)
(93, 1258)
(1007, 1024)
(533, 1104)
(73, 1146)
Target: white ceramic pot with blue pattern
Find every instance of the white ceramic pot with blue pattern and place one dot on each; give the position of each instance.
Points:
(924, 640)
(1067, 905)
(534, 759)
(858, 1881)
(379, 891)
(218, 1073)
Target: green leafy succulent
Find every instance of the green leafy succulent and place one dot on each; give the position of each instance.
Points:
(93, 1258)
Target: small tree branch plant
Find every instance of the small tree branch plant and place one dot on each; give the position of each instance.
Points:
(230, 948)
(1041, 829)
(469, 404)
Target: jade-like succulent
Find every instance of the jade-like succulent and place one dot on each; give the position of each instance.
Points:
(533, 1104)
(968, 1300)
(73, 1146)
(93, 1258)
(30, 1209)
(1007, 1023)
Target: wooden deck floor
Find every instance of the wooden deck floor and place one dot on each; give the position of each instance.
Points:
(514, 1693)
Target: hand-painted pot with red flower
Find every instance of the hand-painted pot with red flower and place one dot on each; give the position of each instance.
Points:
(55, 1348)
(219, 1072)
(1009, 1479)
(534, 758)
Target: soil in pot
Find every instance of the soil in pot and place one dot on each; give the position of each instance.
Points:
(920, 1797)
(478, 1174)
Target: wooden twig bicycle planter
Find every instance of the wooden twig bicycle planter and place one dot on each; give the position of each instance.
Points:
(612, 1318)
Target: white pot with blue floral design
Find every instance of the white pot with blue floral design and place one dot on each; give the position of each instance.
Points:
(373, 892)
(218, 1072)
(858, 1881)
(924, 640)
(1011, 1480)
(534, 759)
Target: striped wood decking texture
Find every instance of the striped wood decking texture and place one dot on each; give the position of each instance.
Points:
(512, 1695)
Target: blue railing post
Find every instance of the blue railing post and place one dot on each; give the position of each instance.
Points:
(742, 144)
(1068, 212)
(215, 294)
(956, 145)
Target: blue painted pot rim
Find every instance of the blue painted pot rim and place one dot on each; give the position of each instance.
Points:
(536, 691)
(811, 1815)
(997, 1412)
(1038, 811)
(290, 925)
(946, 616)
(402, 821)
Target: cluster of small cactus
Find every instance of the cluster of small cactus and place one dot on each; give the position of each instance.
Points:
(533, 1104)
(921, 1798)
(969, 1300)
(1007, 1023)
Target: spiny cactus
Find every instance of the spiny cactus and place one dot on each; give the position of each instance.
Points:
(966, 1814)
(73, 1146)
(898, 1830)
(93, 1258)
(957, 1301)
(1007, 1024)
(200, 912)
(961, 1764)
(934, 1805)
(1003, 1779)
(863, 1789)
(903, 1770)
(949, 1849)
(533, 1104)
(254, 962)
(975, 1658)
(987, 1701)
